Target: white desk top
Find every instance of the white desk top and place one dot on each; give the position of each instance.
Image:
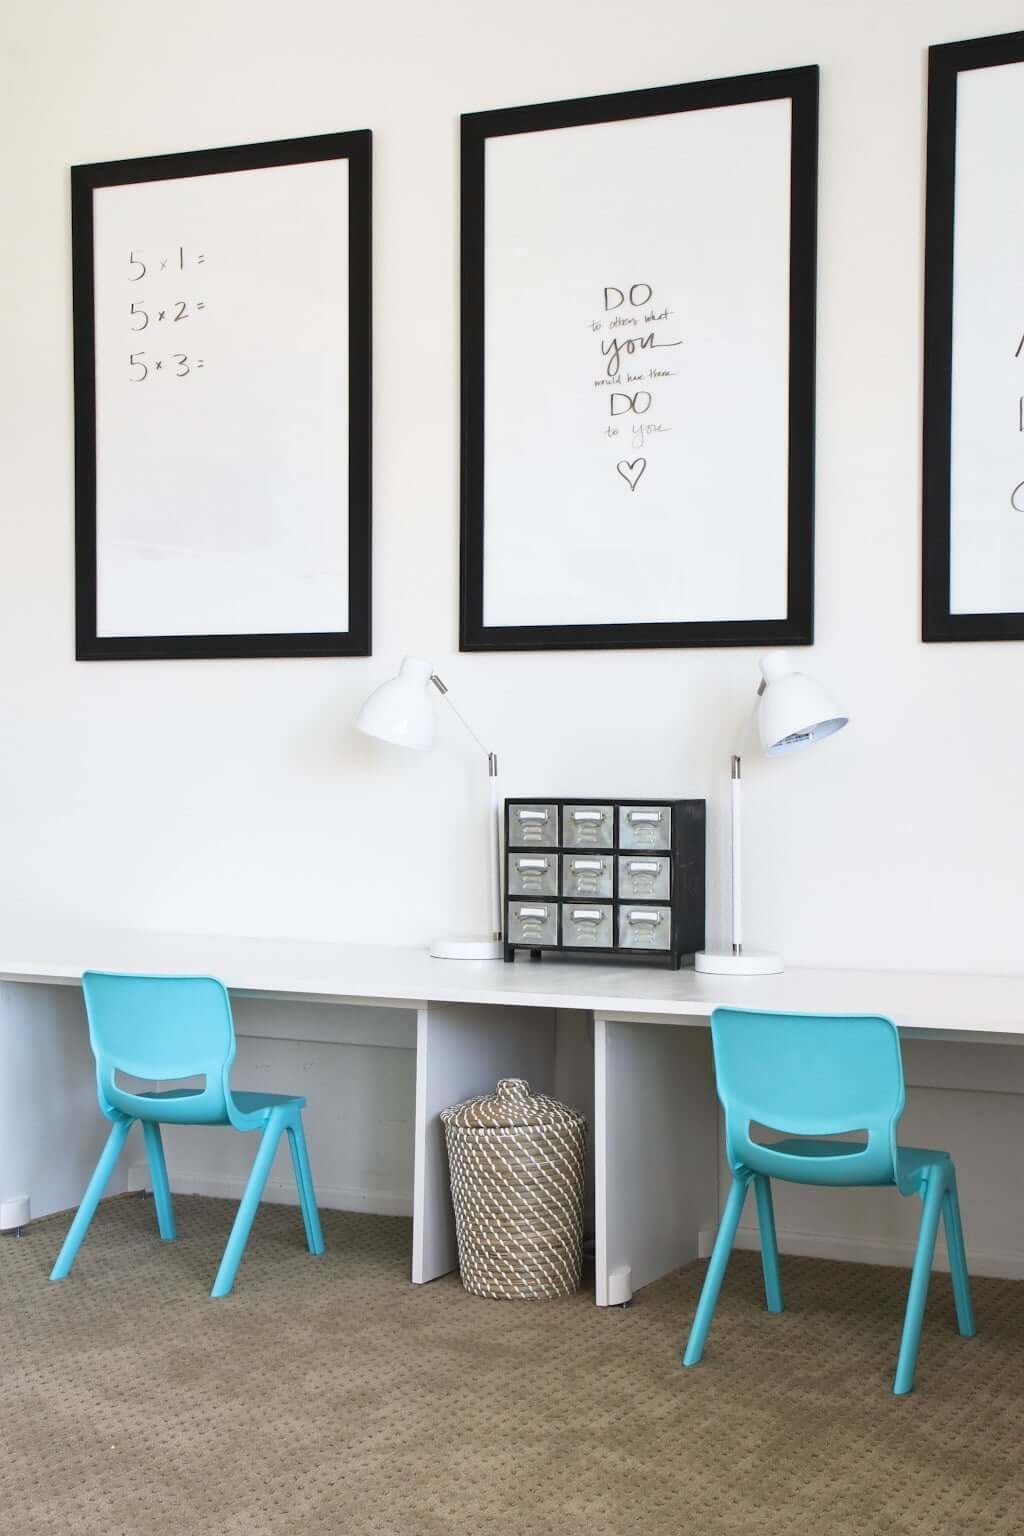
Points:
(60, 952)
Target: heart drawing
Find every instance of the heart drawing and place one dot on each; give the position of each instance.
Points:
(631, 470)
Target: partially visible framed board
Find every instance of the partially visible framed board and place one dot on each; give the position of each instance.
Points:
(973, 473)
(638, 307)
(222, 402)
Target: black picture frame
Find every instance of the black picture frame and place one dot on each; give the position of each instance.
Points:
(946, 62)
(355, 148)
(800, 85)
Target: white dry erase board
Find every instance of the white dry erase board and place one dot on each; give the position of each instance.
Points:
(222, 401)
(974, 343)
(638, 368)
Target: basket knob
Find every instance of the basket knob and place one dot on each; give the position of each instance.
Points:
(513, 1088)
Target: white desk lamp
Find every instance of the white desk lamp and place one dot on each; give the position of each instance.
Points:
(401, 711)
(792, 712)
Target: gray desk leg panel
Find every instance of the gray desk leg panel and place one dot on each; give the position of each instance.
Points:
(463, 1049)
(655, 1146)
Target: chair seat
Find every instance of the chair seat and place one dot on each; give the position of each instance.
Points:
(913, 1161)
(248, 1103)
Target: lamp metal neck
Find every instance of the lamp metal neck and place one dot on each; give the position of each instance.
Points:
(442, 688)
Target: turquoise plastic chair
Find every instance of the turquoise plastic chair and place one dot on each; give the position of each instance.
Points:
(164, 1027)
(813, 1076)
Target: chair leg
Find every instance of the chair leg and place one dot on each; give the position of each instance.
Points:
(304, 1184)
(91, 1199)
(248, 1205)
(158, 1174)
(701, 1325)
(958, 1261)
(769, 1243)
(920, 1275)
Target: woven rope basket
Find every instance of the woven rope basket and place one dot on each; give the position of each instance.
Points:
(516, 1161)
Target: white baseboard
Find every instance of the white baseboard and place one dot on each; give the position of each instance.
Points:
(860, 1250)
(810, 1245)
(329, 1197)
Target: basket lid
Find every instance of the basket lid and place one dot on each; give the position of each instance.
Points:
(511, 1104)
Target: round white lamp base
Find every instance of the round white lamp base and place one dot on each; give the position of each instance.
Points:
(467, 949)
(750, 963)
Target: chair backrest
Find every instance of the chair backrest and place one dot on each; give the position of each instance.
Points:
(810, 1075)
(161, 1028)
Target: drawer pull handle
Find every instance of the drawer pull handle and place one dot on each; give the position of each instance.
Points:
(535, 816)
(642, 918)
(587, 866)
(586, 915)
(643, 816)
(643, 866)
(539, 864)
(588, 816)
(538, 914)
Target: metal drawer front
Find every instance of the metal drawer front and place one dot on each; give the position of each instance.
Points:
(533, 874)
(586, 874)
(532, 922)
(643, 879)
(533, 826)
(645, 927)
(586, 926)
(645, 826)
(588, 826)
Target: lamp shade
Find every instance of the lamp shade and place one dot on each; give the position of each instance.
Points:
(400, 711)
(795, 711)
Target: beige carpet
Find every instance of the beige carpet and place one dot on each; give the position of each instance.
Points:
(329, 1395)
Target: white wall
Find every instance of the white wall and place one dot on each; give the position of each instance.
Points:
(235, 796)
